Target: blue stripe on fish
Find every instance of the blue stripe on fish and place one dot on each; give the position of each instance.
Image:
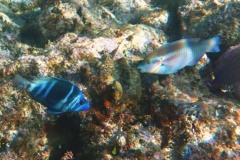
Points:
(56, 94)
(68, 96)
(42, 90)
(48, 87)
(36, 90)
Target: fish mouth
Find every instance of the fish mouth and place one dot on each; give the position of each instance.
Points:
(85, 106)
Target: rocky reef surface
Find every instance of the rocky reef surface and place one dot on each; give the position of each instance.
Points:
(97, 44)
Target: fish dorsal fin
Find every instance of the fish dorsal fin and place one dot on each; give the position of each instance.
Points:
(176, 45)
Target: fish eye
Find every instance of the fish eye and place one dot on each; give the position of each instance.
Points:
(81, 102)
(148, 61)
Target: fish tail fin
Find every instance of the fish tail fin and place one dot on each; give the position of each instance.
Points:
(20, 82)
(214, 44)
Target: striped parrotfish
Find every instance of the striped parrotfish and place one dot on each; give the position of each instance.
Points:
(174, 56)
(57, 95)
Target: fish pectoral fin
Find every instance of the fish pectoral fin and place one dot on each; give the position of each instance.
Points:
(167, 69)
(168, 65)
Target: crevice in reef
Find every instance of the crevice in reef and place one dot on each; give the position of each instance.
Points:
(174, 24)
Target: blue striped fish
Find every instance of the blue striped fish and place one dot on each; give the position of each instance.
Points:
(174, 56)
(56, 94)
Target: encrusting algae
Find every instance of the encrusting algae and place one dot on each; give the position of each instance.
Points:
(98, 46)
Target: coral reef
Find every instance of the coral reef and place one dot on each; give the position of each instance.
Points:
(97, 45)
(202, 18)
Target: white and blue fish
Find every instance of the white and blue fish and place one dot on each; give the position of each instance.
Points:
(56, 94)
(174, 56)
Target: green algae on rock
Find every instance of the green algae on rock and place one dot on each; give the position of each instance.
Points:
(204, 17)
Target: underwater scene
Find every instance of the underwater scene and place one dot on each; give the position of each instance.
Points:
(119, 79)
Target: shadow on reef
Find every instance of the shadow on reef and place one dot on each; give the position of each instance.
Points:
(174, 23)
(29, 33)
(69, 134)
(31, 36)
